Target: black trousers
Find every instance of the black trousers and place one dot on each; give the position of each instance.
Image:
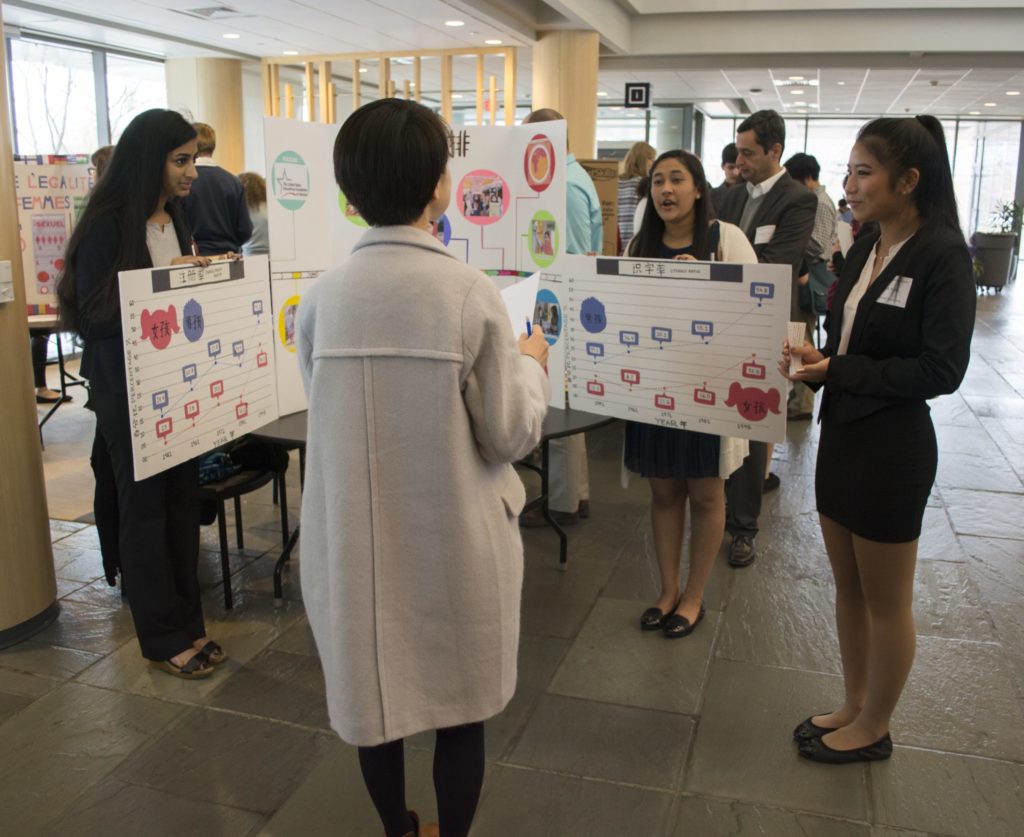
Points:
(39, 340)
(743, 492)
(158, 538)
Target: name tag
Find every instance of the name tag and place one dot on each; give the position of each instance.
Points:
(762, 235)
(897, 292)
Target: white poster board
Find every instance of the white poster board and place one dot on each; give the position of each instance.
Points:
(507, 217)
(198, 356)
(692, 345)
(50, 192)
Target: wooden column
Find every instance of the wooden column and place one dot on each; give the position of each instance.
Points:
(28, 594)
(573, 94)
(356, 89)
(211, 90)
(416, 77)
(492, 98)
(309, 94)
(510, 86)
(384, 72)
(446, 87)
(289, 102)
(480, 120)
(325, 92)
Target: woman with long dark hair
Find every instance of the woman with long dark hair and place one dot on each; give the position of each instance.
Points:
(683, 466)
(900, 334)
(133, 221)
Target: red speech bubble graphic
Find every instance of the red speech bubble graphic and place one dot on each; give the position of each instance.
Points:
(752, 403)
(159, 326)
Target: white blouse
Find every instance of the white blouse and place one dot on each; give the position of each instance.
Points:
(860, 288)
(162, 241)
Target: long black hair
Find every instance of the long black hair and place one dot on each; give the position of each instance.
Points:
(124, 198)
(917, 143)
(648, 241)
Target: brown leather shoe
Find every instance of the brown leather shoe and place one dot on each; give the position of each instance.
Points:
(432, 829)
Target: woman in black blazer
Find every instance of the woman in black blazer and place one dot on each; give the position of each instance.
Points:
(901, 329)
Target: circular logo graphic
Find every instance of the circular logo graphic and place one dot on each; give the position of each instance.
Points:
(482, 197)
(286, 322)
(543, 238)
(548, 315)
(350, 212)
(539, 162)
(441, 229)
(290, 179)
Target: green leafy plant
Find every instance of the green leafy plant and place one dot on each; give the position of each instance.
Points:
(1007, 217)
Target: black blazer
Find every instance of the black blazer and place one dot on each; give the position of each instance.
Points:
(901, 353)
(95, 267)
(790, 207)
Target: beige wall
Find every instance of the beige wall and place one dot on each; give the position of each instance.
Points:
(565, 78)
(27, 583)
(210, 90)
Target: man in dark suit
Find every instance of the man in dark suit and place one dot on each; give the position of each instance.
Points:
(777, 214)
(217, 213)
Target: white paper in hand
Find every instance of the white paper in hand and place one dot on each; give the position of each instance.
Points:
(795, 333)
(520, 300)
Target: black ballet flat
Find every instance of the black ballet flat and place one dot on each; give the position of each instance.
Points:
(816, 749)
(807, 729)
(653, 619)
(676, 626)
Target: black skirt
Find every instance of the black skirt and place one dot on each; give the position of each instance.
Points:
(668, 453)
(874, 475)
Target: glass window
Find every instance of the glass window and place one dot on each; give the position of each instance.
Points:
(54, 99)
(718, 133)
(985, 172)
(133, 85)
(830, 141)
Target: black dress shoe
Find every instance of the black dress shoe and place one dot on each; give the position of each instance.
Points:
(653, 619)
(816, 749)
(807, 729)
(676, 626)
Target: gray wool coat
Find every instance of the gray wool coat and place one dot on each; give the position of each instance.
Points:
(412, 563)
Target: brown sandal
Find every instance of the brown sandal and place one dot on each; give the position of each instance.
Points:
(213, 653)
(196, 668)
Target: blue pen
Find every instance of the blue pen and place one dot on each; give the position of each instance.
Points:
(529, 328)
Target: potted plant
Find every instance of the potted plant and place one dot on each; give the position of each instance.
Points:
(996, 249)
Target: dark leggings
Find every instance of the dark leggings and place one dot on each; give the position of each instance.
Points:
(458, 777)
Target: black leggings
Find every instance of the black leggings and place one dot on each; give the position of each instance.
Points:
(458, 777)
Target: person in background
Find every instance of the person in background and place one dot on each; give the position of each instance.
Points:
(635, 169)
(684, 467)
(216, 209)
(845, 213)
(569, 482)
(133, 220)
(256, 200)
(732, 177)
(412, 562)
(902, 322)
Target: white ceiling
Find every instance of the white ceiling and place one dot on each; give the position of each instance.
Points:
(816, 39)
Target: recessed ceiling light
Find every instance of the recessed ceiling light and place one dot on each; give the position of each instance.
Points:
(455, 23)
(456, 95)
(840, 83)
(291, 52)
(1012, 92)
(231, 36)
(796, 91)
(974, 113)
(602, 93)
(363, 70)
(493, 42)
(796, 78)
(990, 104)
(615, 107)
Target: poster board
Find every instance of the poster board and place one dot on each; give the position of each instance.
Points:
(605, 174)
(506, 217)
(198, 356)
(50, 192)
(691, 345)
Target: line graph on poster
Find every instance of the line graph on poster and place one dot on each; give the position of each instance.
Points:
(691, 345)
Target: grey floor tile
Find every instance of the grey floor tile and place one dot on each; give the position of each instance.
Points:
(548, 805)
(960, 698)
(938, 540)
(230, 760)
(12, 704)
(1009, 622)
(1008, 406)
(949, 794)
(100, 594)
(298, 639)
(986, 513)
(997, 567)
(114, 807)
(953, 410)
(285, 687)
(77, 563)
(601, 741)
(22, 684)
(48, 762)
(65, 587)
(87, 627)
(613, 661)
(794, 497)
(990, 472)
(781, 622)
(62, 528)
(85, 538)
(744, 747)
(716, 818)
(556, 602)
(791, 547)
(947, 603)
(48, 660)
(332, 799)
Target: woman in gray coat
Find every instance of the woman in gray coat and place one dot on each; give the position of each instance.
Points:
(418, 402)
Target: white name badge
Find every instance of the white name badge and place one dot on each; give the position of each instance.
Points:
(762, 235)
(897, 292)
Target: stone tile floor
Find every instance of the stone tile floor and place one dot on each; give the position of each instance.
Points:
(611, 732)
